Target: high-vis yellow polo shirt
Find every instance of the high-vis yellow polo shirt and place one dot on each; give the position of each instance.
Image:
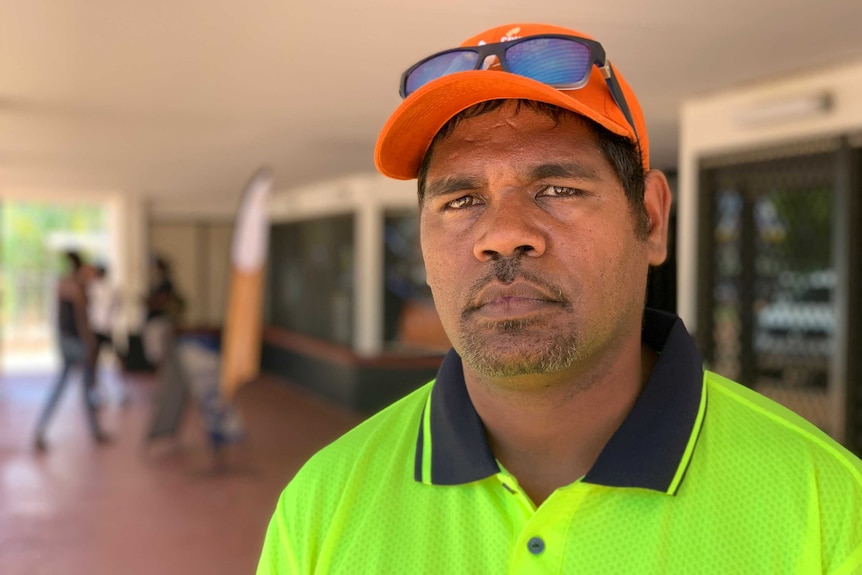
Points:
(704, 476)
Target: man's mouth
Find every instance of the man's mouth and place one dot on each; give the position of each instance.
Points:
(518, 299)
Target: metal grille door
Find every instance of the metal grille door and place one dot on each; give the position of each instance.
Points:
(767, 246)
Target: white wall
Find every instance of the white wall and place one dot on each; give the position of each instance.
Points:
(342, 195)
(748, 118)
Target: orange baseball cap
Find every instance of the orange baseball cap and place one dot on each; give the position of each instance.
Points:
(407, 134)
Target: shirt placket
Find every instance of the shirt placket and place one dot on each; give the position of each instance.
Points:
(540, 537)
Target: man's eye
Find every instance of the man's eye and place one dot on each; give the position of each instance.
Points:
(462, 202)
(560, 191)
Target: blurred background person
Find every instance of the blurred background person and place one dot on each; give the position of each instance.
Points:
(164, 308)
(103, 305)
(78, 347)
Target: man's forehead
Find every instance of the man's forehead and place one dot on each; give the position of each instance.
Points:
(507, 108)
(526, 144)
(521, 117)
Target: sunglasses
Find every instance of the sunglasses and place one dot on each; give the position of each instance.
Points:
(560, 61)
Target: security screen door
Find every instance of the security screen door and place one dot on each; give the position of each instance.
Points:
(773, 273)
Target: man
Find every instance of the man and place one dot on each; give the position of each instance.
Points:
(569, 431)
(78, 347)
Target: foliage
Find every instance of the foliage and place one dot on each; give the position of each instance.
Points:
(26, 260)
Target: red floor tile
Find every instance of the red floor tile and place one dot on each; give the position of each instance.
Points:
(133, 508)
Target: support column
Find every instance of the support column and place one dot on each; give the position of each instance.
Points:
(129, 256)
(368, 280)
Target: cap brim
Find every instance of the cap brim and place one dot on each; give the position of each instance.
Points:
(408, 133)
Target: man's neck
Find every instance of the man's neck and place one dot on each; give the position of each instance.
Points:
(549, 431)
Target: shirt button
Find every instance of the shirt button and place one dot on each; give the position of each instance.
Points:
(536, 545)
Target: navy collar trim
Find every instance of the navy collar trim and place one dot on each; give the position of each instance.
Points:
(650, 449)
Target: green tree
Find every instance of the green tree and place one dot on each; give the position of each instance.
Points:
(25, 257)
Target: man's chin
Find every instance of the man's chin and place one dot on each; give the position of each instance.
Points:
(492, 357)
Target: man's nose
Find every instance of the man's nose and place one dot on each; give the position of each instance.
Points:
(509, 227)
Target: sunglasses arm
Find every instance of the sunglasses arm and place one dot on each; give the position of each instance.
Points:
(617, 93)
(606, 70)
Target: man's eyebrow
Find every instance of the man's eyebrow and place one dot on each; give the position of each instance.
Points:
(570, 170)
(450, 185)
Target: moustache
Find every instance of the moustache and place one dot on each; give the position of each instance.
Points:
(506, 271)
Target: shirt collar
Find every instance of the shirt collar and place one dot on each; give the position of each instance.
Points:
(651, 449)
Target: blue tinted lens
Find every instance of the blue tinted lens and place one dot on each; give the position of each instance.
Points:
(439, 66)
(554, 61)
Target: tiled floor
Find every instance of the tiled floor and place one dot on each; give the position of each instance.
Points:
(129, 508)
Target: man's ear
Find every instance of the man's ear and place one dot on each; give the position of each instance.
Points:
(657, 199)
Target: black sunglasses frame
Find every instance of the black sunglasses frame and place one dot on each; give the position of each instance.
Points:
(498, 49)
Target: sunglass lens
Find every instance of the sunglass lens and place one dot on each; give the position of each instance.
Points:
(439, 66)
(554, 61)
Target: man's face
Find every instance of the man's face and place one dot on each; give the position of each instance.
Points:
(530, 245)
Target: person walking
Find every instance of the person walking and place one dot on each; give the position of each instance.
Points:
(78, 348)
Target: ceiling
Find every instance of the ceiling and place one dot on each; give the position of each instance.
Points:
(185, 99)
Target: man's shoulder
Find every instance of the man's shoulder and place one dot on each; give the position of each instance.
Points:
(392, 430)
(766, 428)
(763, 466)
(374, 457)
